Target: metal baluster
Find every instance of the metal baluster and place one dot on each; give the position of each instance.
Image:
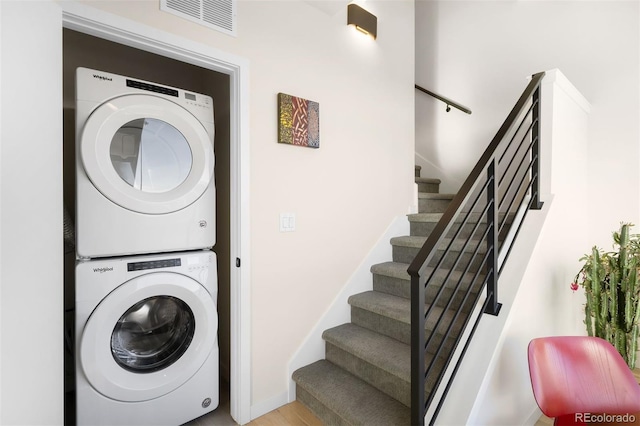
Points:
(417, 350)
(493, 307)
(536, 204)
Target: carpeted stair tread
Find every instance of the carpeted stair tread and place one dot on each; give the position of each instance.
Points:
(379, 360)
(435, 217)
(387, 305)
(412, 241)
(399, 309)
(460, 251)
(435, 196)
(379, 350)
(425, 217)
(428, 180)
(351, 400)
(423, 224)
(430, 200)
(399, 270)
(400, 285)
(392, 269)
(408, 241)
(427, 185)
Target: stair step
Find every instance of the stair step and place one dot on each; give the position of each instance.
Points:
(418, 242)
(392, 269)
(438, 196)
(393, 278)
(381, 361)
(339, 398)
(428, 185)
(406, 248)
(422, 224)
(433, 202)
(428, 180)
(391, 315)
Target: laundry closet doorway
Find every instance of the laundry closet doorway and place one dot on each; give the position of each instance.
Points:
(87, 43)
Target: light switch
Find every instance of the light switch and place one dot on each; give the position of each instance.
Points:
(287, 222)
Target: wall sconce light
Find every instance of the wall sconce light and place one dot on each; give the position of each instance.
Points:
(364, 21)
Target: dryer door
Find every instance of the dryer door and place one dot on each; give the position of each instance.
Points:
(148, 337)
(147, 154)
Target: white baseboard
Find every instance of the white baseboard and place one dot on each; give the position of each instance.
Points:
(534, 417)
(264, 407)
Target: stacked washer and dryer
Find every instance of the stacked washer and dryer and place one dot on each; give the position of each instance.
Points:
(146, 320)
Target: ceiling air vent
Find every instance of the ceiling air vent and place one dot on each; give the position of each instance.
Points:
(217, 14)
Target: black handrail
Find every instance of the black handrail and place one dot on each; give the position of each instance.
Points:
(484, 183)
(450, 103)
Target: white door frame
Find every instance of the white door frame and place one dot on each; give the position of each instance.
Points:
(107, 26)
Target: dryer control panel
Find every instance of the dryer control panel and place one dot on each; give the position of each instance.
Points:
(189, 98)
(152, 87)
(197, 100)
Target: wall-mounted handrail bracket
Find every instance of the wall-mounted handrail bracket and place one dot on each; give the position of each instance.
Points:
(450, 103)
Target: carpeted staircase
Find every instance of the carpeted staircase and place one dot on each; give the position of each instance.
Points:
(366, 376)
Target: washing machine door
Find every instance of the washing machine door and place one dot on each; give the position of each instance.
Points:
(148, 337)
(147, 154)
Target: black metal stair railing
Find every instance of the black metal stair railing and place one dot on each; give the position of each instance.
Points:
(469, 245)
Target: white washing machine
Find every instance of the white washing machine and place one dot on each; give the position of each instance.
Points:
(144, 167)
(146, 339)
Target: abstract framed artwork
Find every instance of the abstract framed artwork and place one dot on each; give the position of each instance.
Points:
(298, 121)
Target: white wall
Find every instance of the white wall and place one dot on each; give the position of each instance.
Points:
(478, 52)
(345, 194)
(31, 309)
(0, 212)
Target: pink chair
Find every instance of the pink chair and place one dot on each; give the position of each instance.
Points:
(575, 378)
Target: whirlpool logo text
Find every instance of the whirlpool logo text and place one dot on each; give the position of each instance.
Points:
(102, 77)
(101, 270)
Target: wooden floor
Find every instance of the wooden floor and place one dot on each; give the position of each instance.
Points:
(296, 414)
(293, 414)
(546, 421)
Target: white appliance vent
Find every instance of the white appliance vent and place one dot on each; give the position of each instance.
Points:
(217, 14)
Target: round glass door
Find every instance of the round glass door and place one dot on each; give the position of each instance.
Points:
(147, 154)
(148, 336)
(152, 334)
(150, 155)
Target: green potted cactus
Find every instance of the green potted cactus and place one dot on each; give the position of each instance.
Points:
(610, 281)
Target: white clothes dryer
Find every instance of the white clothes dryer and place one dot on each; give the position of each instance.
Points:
(144, 167)
(146, 339)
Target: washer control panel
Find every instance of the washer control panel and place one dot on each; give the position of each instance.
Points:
(198, 263)
(153, 264)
